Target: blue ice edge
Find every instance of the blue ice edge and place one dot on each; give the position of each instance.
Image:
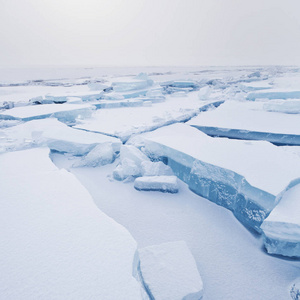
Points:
(274, 95)
(224, 187)
(279, 139)
(250, 205)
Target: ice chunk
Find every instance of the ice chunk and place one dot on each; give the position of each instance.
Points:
(204, 93)
(244, 177)
(150, 168)
(283, 106)
(166, 184)
(65, 112)
(133, 153)
(295, 290)
(113, 96)
(274, 94)
(282, 227)
(55, 243)
(169, 271)
(235, 120)
(127, 168)
(139, 82)
(100, 155)
(97, 86)
(57, 136)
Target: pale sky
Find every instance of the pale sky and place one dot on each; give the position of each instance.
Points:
(149, 32)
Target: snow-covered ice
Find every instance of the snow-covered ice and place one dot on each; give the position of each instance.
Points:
(250, 121)
(150, 168)
(295, 290)
(166, 184)
(56, 135)
(169, 271)
(55, 243)
(245, 177)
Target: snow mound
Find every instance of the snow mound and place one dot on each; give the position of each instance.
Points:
(165, 184)
(169, 271)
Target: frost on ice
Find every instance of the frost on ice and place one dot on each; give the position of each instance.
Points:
(169, 271)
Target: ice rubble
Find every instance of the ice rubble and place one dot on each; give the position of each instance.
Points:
(150, 168)
(242, 176)
(65, 112)
(235, 119)
(282, 227)
(165, 184)
(295, 290)
(169, 271)
(56, 135)
(131, 159)
(55, 243)
(100, 155)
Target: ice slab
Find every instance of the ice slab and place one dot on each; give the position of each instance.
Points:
(165, 184)
(249, 120)
(139, 82)
(61, 111)
(282, 227)
(242, 176)
(56, 135)
(169, 271)
(283, 106)
(55, 243)
(274, 94)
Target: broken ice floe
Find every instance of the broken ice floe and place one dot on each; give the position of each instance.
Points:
(169, 271)
(165, 184)
(250, 121)
(66, 113)
(56, 135)
(245, 177)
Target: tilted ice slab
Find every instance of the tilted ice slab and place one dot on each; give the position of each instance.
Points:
(169, 271)
(56, 135)
(282, 227)
(242, 176)
(55, 243)
(67, 112)
(249, 121)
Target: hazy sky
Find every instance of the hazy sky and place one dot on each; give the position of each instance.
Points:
(149, 32)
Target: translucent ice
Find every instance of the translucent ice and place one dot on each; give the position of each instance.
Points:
(282, 227)
(150, 168)
(165, 184)
(244, 177)
(100, 155)
(274, 94)
(139, 82)
(133, 153)
(169, 271)
(127, 168)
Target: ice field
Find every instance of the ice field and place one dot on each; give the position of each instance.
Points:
(150, 183)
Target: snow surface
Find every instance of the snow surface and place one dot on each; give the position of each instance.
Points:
(230, 258)
(55, 243)
(169, 271)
